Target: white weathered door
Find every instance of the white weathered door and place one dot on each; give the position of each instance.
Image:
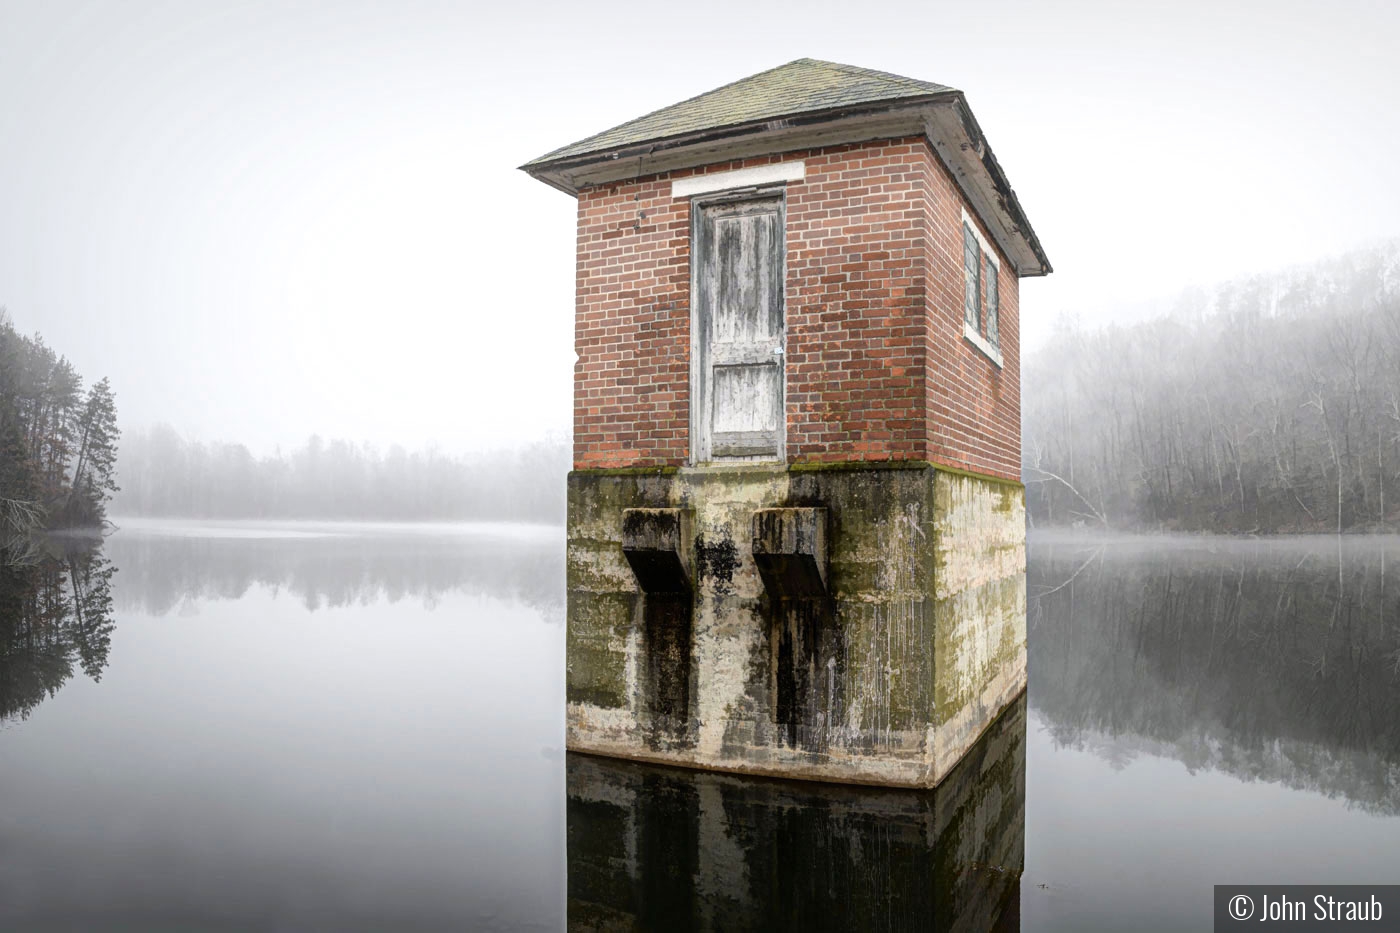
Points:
(737, 368)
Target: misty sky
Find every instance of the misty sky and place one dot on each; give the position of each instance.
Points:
(267, 219)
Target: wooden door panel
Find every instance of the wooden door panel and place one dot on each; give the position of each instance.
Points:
(747, 310)
(739, 371)
(744, 398)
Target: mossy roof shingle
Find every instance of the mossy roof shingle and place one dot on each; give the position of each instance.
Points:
(800, 86)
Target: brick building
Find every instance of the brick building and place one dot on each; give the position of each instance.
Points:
(796, 531)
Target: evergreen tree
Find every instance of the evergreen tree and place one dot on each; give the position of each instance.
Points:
(57, 446)
(94, 475)
(19, 480)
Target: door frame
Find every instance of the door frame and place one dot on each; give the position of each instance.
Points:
(697, 205)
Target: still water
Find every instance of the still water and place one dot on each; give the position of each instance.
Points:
(359, 727)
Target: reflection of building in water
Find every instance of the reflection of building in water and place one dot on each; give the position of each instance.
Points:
(1275, 661)
(55, 614)
(658, 848)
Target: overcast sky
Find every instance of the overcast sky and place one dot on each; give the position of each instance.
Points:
(264, 220)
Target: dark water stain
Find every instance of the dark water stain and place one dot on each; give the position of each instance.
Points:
(717, 562)
(667, 622)
(808, 670)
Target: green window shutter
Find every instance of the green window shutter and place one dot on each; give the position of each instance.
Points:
(992, 303)
(972, 279)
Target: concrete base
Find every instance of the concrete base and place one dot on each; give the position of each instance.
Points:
(856, 623)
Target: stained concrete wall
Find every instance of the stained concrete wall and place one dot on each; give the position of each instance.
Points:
(889, 679)
(669, 849)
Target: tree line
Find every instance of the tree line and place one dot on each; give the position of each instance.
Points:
(57, 441)
(166, 474)
(1268, 404)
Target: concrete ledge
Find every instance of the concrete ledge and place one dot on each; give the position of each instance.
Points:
(789, 548)
(656, 543)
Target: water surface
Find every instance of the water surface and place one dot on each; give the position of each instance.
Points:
(359, 727)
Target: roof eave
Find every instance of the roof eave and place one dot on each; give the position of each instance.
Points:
(551, 171)
(1006, 194)
(943, 118)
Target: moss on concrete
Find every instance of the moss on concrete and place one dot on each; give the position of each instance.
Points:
(985, 647)
(1008, 499)
(925, 581)
(982, 477)
(596, 642)
(857, 466)
(626, 471)
(596, 568)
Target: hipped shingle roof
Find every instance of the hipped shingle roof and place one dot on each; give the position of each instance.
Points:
(800, 86)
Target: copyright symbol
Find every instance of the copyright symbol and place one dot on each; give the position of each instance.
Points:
(1241, 906)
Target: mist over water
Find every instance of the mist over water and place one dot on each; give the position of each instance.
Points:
(168, 565)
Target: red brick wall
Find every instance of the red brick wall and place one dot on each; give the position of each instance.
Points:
(974, 407)
(857, 235)
(632, 326)
(872, 338)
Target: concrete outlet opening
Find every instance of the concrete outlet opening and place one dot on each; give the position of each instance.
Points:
(656, 543)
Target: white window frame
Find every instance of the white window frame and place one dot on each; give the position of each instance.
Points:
(989, 349)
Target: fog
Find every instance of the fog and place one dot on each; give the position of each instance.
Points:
(268, 220)
(1267, 404)
(165, 475)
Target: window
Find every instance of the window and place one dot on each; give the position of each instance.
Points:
(972, 279)
(992, 303)
(981, 292)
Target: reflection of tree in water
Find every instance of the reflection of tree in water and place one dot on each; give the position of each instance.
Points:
(354, 567)
(55, 613)
(1275, 661)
